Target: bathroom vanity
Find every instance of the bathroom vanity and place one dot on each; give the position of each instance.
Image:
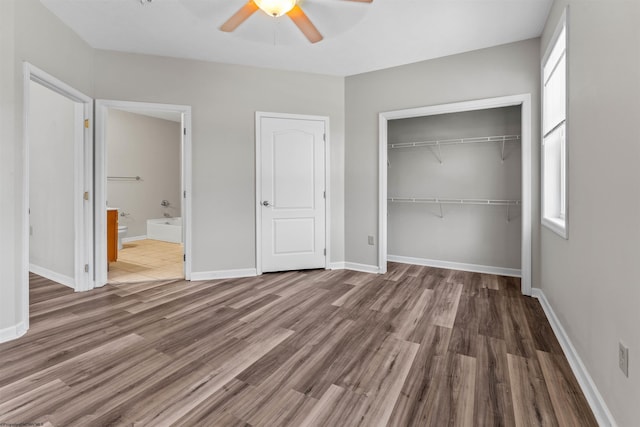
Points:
(112, 235)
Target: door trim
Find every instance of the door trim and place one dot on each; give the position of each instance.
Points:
(102, 105)
(327, 182)
(524, 100)
(83, 158)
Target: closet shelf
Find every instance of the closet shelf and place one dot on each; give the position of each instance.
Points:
(124, 178)
(455, 201)
(440, 202)
(474, 140)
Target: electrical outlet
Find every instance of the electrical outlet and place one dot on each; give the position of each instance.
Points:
(370, 240)
(623, 359)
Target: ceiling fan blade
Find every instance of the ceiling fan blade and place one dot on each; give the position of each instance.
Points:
(304, 24)
(239, 17)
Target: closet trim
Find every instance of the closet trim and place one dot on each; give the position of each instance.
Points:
(523, 100)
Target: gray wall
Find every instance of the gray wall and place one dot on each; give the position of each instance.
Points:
(591, 279)
(499, 71)
(468, 234)
(224, 99)
(51, 182)
(29, 33)
(9, 230)
(148, 147)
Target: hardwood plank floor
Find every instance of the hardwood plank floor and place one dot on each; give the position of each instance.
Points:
(418, 346)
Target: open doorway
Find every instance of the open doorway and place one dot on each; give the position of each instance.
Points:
(142, 179)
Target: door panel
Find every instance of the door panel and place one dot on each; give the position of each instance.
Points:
(294, 235)
(293, 181)
(292, 196)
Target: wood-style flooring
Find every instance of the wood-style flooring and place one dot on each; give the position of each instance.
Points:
(417, 346)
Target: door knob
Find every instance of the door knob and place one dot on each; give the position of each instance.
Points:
(266, 203)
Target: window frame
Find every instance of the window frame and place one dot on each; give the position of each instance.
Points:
(558, 224)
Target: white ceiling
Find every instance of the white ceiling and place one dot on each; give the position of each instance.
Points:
(358, 37)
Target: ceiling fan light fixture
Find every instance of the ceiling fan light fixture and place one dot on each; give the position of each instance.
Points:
(275, 8)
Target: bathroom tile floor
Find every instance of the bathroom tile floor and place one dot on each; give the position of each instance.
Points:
(144, 260)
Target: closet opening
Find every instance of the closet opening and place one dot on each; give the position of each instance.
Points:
(455, 187)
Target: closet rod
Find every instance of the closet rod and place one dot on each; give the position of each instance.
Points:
(124, 178)
(474, 140)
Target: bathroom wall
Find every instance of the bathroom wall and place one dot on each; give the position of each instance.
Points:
(148, 147)
(51, 184)
(468, 234)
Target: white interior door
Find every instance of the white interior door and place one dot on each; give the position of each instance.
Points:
(292, 194)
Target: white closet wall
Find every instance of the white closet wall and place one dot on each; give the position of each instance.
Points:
(457, 232)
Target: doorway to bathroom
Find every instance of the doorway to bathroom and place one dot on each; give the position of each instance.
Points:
(142, 175)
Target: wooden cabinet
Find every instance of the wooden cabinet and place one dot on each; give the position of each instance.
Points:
(112, 235)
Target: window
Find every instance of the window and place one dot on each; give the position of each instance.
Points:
(554, 133)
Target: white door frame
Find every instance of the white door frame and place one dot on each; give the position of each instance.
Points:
(83, 161)
(523, 100)
(327, 229)
(102, 107)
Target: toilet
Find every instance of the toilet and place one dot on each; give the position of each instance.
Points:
(122, 233)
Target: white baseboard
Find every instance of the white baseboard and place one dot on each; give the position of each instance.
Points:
(593, 396)
(487, 269)
(336, 265)
(133, 238)
(223, 274)
(364, 268)
(52, 275)
(12, 332)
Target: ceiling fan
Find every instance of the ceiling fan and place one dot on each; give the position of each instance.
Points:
(278, 8)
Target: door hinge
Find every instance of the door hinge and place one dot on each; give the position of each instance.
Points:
(86, 268)
(184, 131)
(325, 251)
(184, 194)
(184, 257)
(324, 194)
(86, 195)
(86, 123)
(324, 137)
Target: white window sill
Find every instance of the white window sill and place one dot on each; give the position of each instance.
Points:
(557, 225)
